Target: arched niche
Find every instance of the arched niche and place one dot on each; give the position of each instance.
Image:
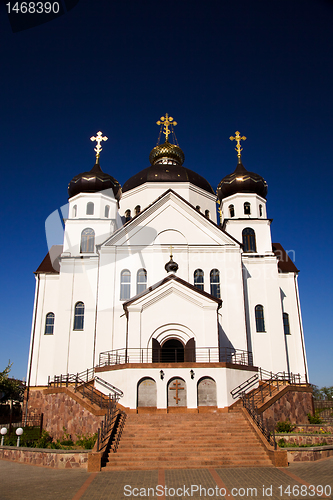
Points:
(147, 393)
(206, 392)
(177, 396)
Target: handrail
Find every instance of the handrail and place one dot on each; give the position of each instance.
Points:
(242, 388)
(193, 355)
(259, 421)
(109, 386)
(81, 382)
(111, 426)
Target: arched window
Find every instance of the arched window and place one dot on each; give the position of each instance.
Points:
(215, 283)
(79, 316)
(87, 240)
(207, 214)
(49, 324)
(199, 279)
(106, 211)
(90, 208)
(74, 211)
(128, 215)
(137, 210)
(231, 210)
(249, 240)
(260, 210)
(198, 208)
(125, 284)
(247, 208)
(286, 325)
(260, 321)
(141, 280)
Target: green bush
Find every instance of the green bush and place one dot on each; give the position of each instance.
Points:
(285, 426)
(86, 441)
(314, 419)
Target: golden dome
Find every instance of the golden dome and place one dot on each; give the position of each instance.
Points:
(168, 151)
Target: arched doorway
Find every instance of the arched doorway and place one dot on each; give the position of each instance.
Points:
(172, 351)
(177, 392)
(146, 392)
(207, 392)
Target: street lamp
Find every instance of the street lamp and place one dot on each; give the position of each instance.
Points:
(19, 433)
(3, 433)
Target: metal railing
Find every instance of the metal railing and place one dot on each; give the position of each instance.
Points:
(271, 381)
(259, 421)
(197, 355)
(111, 428)
(83, 383)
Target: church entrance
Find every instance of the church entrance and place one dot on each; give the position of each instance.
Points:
(172, 351)
(177, 392)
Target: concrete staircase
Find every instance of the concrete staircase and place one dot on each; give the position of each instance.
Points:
(185, 440)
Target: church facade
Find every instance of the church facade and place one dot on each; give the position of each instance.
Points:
(168, 302)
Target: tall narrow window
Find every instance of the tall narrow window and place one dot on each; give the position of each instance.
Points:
(207, 214)
(198, 208)
(128, 215)
(199, 279)
(79, 316)
(260, 210)
(90, 208)
(137, 210)
(249, 240)
(286, 325)
(106, 211)
(87, 241)
(141, 280)
(247, 208)
(49, 324)
(215, 283)
(125, 284)
(74, 211)
(231, 210)
(260, 321)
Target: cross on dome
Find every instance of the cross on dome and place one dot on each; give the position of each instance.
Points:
(98, 139)
(238, 138)
(166, 121)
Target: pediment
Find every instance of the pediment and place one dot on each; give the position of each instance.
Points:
(170, 220)
(180, 289)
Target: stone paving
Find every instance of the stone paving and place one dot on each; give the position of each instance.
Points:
(27, 482)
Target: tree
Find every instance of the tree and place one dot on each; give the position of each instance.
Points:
(10, 388)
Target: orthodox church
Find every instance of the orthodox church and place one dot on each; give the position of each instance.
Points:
(172, 292)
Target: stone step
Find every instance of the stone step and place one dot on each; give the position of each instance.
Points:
(174, 464)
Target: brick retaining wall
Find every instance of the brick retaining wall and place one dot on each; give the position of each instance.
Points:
(58, 459)
(309, 454)
(293, 405)
(61, 410)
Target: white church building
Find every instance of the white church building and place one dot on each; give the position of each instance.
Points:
(166, 301)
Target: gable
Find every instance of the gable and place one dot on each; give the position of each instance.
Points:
(170, 220)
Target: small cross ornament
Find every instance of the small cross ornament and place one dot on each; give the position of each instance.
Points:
(98, 139)
(238, 138)
(166, 121)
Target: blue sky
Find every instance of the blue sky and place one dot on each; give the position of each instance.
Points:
(264, 68)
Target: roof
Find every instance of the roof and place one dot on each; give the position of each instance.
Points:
(50, 264)
(168, 278)
(285, 264)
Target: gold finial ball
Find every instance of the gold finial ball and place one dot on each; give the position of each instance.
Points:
(166, 150)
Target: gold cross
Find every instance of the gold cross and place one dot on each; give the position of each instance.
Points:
(166, 121)
(238, 138)
(98, 139)
(177, 389)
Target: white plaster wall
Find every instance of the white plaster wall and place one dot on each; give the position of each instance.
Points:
(262, 287)
(127, 380)
(145, 194)
(294, 341)
(238, 201)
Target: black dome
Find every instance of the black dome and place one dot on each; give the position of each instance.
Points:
(241, 181)
(92, 182)
(166, 166)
